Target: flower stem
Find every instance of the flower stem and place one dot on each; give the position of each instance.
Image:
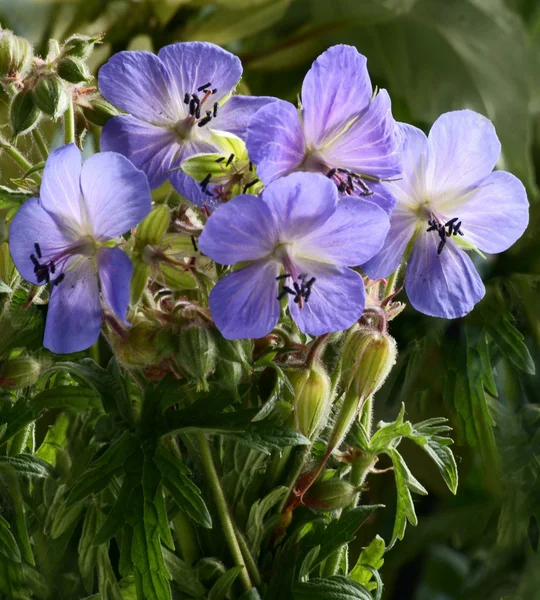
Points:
(15, 154)
(69, 123)
(209, 469)
(391, 283)
(248, 557)
(40, 143)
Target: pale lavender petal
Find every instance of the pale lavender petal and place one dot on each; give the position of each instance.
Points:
(371, 145)
(441, 285)
(243, 229)
(116, 194)
(60, 193)
(351, 236)
(74, 315)
(463, 149)
(402, 227)
(244, 304)
(235, 115)
(301, 203)
(115, 270)
(275, 140)
(335, 89)
(195, 64)
(336, 302)
(154, 150)
(138, 83)
(495, 214)
(33, 224)
(382, 195)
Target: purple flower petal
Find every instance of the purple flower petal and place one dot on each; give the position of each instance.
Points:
(243, 229)
(74, 315)
(139, 83)
(351, 236)
(301, 203)
(495, 214)
(195, 64)
(154, 150)
(116, 194)
(441, 285)
(335, 89)
(402, 227)
(115, 270)
(275, 140)
(33, 224)
(235, 115)
(60, 193)
(337, 298)
(244, 304)
(463, 149)
(382, 195)
(371, 145)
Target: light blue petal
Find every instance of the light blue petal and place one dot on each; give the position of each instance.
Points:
(235, 115)
(115, 270)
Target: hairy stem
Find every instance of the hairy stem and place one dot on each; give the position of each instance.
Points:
(40, 143)
(391, 283)
(69, 123)
(12, 152)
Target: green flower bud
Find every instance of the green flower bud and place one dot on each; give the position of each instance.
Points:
(50, 95)
(311, 397)
(73, 69)
(99, 111)
(81, 46)
(331, 494)
(154, 226)
(19, 372)
(197, 352)
(15, 54)
(23, 113)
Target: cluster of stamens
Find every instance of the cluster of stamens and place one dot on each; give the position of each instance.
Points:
(450, 228)
(46, 270)
(349, 182)
(195, 104)
(301, 292)
(223, 192)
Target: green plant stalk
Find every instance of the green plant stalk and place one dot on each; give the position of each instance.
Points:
(18, 442)
(220, 501)
(11, 151)
(40, 143)
(69, 123)
(185, 536)
(248, 557)
(330, 566)
(391, 283)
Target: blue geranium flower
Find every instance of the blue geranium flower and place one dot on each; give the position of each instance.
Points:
(448, 201)
(340, 130)
(59, 239)
(299, 242)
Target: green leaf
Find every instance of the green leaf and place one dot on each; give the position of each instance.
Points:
(224, 583)
(27, 465)
(68, 396)
(257, 514)
(87, 551)
(266, 437)
(17, 416)
(183, 575)
(8, 544)
(372, 556)
(252, 594)
(151, 575)
(332, 588)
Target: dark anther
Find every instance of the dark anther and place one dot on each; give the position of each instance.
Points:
(441, 245)
(250, 184)
(59, 279)
(198, 112)
(350, 181)
(52, 267)
(286, 290)
(331, 173)
(196, 98)
(204, 87)
(310, 282)
(364, 187)
(296, 287)
(204, 183)
(204, 121)
(35, 262)
(215, 109)
(186, 98)
(220, 159)
(214, 91)
(38, 250)
(282, 276)
(342, 187)
(250, 166)
(433, 225)
(229, 160)
(192, 106)
(194, 243)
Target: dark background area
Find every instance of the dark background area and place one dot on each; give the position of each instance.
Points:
(432, 56)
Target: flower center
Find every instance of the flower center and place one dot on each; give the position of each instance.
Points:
(301, 283)
(196, 106)
(444, 229)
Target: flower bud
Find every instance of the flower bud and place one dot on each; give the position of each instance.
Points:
(23, 113)
(99, 111)
(81, 46)
(19, 372)
(15, 54)
(196, 352)
(146, 344)
(50, 95)
(154, 226)
(311, 397)
(73, 69)
(331, 494)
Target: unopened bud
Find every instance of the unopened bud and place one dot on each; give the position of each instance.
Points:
(196, 354)
(331, 494)
(19, 372)
(99, 111)
(23, 113)
(146, 344)
(81, 46)
(311, 397)
(15, 54)
(153, 227)
(73, 69)
(50, 95)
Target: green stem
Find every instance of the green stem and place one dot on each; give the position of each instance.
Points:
(15, 155)
(40, 143)
(300, 456)
(209, 469)
(69, 123)
(391, 283)
(331, 564)
(185, 536)
(248, 557)
(18, 442)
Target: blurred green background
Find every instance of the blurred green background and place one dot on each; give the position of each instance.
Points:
(432, 56)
